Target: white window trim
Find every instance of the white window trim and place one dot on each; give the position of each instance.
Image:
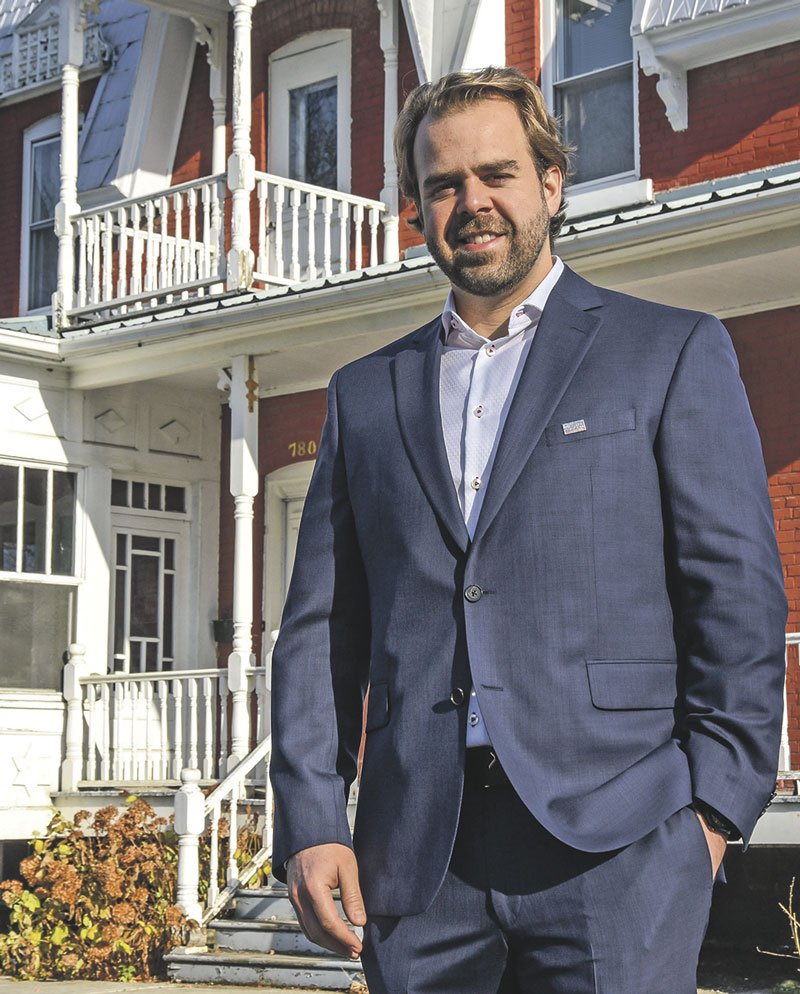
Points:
(287, 483)
(48, 127)
(606, 193)
(78, 565)
(309, 59)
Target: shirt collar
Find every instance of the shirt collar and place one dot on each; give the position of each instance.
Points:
(458, 333)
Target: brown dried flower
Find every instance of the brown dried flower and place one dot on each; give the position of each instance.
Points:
(123, 913)
(13, 886)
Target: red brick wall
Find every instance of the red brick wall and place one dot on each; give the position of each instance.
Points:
(744, 114)
(286, 426)
(14, 120)
(193, 153)
(768, 346)
(522, 32)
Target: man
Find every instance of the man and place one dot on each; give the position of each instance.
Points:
(538, 528)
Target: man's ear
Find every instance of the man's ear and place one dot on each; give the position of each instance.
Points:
(419, 223)
(552, 184)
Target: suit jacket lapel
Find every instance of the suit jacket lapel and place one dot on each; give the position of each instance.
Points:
(565, 332)
(419, 414)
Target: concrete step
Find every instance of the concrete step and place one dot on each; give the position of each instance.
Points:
(275, 935)
(230, 966)
(267, 903)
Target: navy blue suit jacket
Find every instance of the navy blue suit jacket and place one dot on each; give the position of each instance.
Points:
(627, 643)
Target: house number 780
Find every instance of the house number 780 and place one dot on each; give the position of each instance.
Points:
(300, 449)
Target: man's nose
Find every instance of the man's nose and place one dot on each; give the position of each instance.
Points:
(475, 197)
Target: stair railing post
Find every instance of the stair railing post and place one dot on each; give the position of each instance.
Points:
(241, 163)
(390, 194)
(189, 825)
(74, 669)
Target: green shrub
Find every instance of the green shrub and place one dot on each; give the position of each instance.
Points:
(100, 899)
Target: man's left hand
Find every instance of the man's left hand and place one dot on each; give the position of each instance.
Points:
(716, 842)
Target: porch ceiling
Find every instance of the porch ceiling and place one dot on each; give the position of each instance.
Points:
(203, 10)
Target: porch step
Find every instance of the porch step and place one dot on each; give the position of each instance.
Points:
(230, 966)
(263, 944)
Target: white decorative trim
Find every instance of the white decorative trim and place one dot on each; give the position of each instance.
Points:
(48, 128)
(303, 61)
(670, 50)
(604, 198)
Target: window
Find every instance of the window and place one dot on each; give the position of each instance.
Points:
(37, 543)
(592, 81)
(37, 520)
(309, 110)
(40, 194)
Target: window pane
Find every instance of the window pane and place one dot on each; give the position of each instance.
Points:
(593, 36)
(122, 550)
(119, 493)
(45, 181)
(144, 596)
(313, 133)
(63, 562)
(147, 542)
(34, 521)
(175, 499)
(43, 267)
(151, 657)
(9, 476)
(154, 496)
(119, 613)
(597, 112)
(137, 495)
(35, 619)
(168, 598)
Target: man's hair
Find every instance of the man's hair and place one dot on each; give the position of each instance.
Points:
(458, 90)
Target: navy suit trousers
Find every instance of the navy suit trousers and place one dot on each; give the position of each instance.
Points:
(522, 913)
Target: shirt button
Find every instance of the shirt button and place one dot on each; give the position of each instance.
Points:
(473, 719)
(473, 593)
(457, 696)
(476, 483)
(478, 411)
(490, 350)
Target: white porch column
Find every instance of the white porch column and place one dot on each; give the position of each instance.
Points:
(72, 765)
(244, 487)
(215, 37)
(189, 824)
(70, 53)
(390, 194)
(241, 164)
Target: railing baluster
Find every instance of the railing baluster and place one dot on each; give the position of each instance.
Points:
(92, 757)
(262, 192)
(222, 743)
(108, 255)
(105, 731)
(208, 232)
(163, 269)
(327, 210)
(136, 251)
(373, 236)
(311, 211)
(232, 874)
(178, 264)
(122, 255)
(208, 729)
(294, 200)
(190, 269)
(213, 859)
(358, 253)
(95, 298)
(177, 760)
(148, 759)
(83, 252)
(344, 223)
(163, 716)
(150, 248)
(192, 704)
(279, 194)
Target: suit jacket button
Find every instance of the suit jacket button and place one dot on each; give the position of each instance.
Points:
(457, 696)
(473, 593)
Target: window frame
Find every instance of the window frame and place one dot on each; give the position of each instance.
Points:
(584, 193)
(60, 579)
(47, 129)
(312, 58)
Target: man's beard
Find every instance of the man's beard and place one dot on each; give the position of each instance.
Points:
(477, 273)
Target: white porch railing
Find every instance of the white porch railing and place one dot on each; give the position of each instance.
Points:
(153, 250)
(140, 253)
(306, 232)
(785, 753)
(135, 728)
(195, 813)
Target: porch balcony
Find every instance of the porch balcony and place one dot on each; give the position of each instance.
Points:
(172, 245)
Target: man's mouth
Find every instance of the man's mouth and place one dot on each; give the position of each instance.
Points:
(479, 239)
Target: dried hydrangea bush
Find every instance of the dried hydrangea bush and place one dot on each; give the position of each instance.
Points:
(98, 899)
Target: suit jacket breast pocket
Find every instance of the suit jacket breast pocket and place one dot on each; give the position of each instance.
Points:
(590, 426)
(632, 684)
(377, 706)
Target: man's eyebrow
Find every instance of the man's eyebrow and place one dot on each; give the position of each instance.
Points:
(449, 178)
